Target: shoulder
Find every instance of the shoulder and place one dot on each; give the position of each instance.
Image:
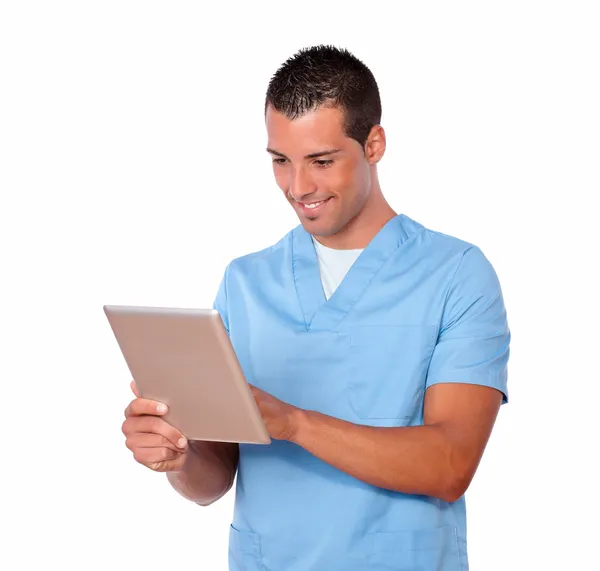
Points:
(450, 251)
(434, 238)
(253, 262)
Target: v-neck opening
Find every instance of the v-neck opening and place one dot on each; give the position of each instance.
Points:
(320, 313)
(333, 265)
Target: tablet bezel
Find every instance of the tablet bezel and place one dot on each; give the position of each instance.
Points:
(184, 358)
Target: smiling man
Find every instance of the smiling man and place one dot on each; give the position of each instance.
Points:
(376, 348)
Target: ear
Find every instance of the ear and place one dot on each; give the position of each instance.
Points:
(375, 144)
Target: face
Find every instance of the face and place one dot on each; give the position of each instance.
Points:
(324, 174)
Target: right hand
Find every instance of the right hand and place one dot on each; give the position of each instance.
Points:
(154, 443)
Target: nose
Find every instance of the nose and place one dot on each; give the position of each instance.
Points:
(300, 185)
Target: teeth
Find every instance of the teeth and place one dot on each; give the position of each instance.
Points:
(314, 204)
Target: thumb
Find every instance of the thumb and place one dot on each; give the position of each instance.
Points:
(134, 389)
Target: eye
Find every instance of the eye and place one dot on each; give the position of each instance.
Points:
(279, 161)
(324, 163)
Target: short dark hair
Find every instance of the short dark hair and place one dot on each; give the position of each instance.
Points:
(326, 75)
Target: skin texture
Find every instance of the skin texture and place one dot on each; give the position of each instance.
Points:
(356, 209)
(200, 471)
(154, 443)
(437, 459)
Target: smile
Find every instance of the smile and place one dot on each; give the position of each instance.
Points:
(312, 207)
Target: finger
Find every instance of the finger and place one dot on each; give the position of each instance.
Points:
(141, 406)
(256, 391)
(149, 456)
(135, 389)
(153, 425)
(148, 440)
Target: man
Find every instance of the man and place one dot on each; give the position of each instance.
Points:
(376, 350)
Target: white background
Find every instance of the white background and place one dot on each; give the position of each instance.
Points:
(133, 169)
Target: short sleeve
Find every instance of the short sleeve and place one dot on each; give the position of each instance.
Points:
(474, 337)
(220, 303)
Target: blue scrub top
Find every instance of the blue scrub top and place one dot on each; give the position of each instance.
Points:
(417, 308)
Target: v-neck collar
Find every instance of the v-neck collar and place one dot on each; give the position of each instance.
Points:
(320, 313)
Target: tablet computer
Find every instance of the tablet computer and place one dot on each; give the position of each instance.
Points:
(184, 358)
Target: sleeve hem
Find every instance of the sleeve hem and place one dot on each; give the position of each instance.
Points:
(498, 385)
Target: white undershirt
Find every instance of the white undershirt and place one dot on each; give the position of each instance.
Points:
(333, 265)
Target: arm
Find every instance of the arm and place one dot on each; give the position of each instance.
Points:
(465, 386)
(208, 472)
(437, 459)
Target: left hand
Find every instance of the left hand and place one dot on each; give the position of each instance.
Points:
(279, 417)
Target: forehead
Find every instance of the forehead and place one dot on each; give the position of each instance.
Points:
(315, 130)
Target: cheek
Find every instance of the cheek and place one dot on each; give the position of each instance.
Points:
(347, 182)
(338, 181)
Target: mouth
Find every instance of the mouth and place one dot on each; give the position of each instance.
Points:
(312, 208)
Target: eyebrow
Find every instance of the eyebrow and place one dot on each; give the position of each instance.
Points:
(310, 156)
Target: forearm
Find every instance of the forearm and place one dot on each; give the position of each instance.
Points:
(208, 472)
(412, 460)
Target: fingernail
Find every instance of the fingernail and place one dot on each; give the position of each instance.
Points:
(161, 408)
(181, 442)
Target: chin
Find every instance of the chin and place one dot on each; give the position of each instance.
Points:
(317, 227)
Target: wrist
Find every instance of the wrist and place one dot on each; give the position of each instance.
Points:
(301, 420)
(186, 463)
